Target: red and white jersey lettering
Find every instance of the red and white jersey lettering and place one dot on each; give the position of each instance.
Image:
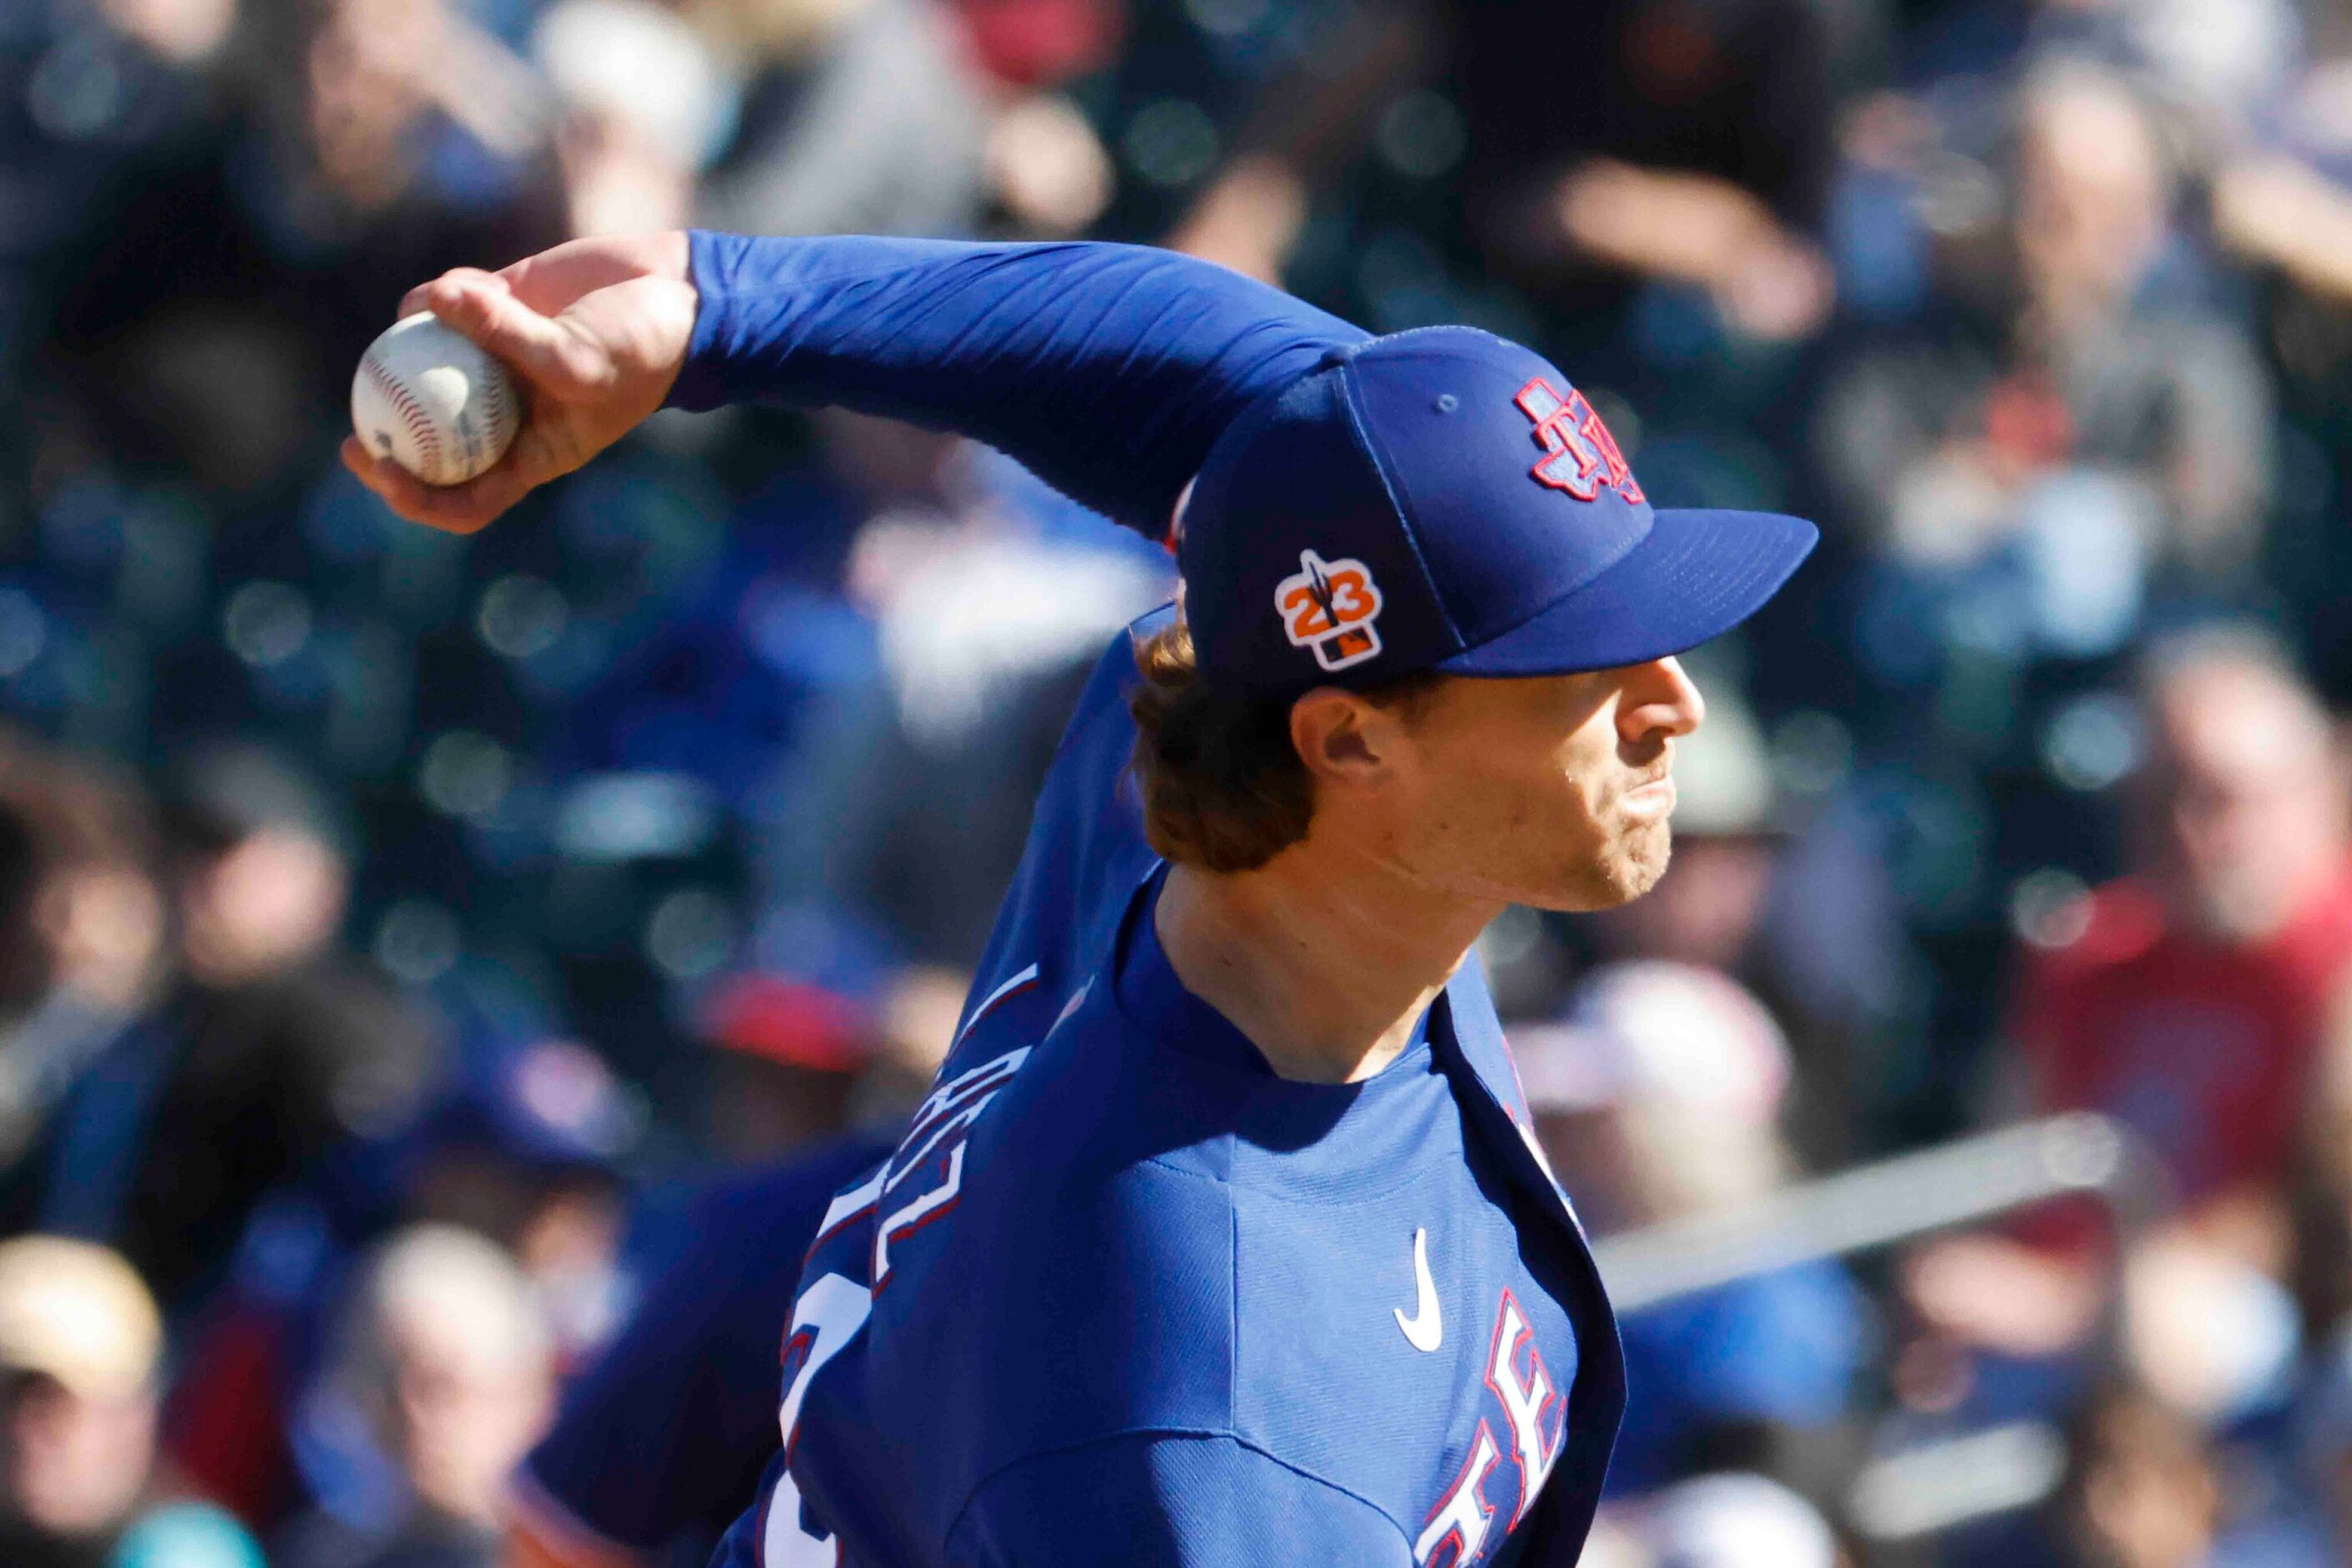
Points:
(923, 1178)
(828, 1314)
(1473, 1515)
(1458, 1526)
(1533, 1407)
(921, 1182)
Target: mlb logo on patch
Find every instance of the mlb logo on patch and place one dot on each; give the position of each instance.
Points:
(1329, 606)
(1581, 456)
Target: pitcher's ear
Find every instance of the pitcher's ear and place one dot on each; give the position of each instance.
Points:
(1344, 739)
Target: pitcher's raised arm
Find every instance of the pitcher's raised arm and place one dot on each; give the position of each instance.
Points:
(1108, 369)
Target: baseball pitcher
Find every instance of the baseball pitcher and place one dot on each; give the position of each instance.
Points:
(1221, 1239)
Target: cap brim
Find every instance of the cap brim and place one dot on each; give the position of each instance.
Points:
(1694, 576)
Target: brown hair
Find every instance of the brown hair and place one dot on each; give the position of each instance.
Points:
(1223, 788)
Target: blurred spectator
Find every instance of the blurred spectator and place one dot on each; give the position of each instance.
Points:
(869, 116)
(383, 142)
(1306, 125)
(661, 1443)
(85, 957)
(790, 1054)
(643, 107)
(155, 1119)
(2059, 422)
(2191, 999)
(86, 918)
(1050, 174)
(1037, 44)
(288, 1049)
(92, 98)
(262, 882)
(2208, 1333)
(2214, 62)
(888, 646)
(1701, 155)
(2282, 203)
(1657, 1098)
(443, 1358)
(756, 649)
(79, 1485)
(527, 1150)
(857, 116)
(1696, 152)
(524, 1151)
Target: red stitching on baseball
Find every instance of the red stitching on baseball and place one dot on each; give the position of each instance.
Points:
(412, 414)
(504, 411)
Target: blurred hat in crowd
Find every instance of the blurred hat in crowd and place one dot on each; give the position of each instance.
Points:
(78, 1312)
(1652, 1030)
(1737, 1521)
(792, 1023)
(847, 950)
(552, 1103)
(1043, 43)
(221, 795)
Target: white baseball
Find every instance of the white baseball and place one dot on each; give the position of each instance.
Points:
(427, 398)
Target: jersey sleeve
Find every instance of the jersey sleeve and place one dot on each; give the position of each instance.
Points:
(1108, 369)
(648, 1444)
(1156, 1500)
(668, 1433)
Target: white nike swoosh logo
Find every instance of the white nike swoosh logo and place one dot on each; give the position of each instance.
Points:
(1426, 1327)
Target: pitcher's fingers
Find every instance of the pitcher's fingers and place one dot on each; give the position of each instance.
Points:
(547, 354)
(417, 300)
(452, 509)
(403, 491)
(393, 484)
(552, 281)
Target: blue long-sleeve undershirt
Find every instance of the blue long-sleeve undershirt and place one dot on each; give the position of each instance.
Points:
(1108, 369)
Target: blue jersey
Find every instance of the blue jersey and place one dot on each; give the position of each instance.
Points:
(1121, 1294)
(664, 1437)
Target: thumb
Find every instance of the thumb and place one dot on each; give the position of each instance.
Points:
(553, 355)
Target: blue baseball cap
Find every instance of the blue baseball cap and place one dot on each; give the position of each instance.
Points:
(1443, 499)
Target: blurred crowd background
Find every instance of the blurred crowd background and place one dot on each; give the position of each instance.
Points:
(399, 933)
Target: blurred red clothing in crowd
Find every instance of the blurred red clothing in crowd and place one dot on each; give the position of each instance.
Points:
(1043, 43)
(2203, 1047)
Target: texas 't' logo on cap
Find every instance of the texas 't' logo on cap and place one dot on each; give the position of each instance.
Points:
(1329, 606)
(1579, 455)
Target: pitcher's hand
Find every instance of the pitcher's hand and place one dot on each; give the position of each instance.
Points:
(594, 332)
